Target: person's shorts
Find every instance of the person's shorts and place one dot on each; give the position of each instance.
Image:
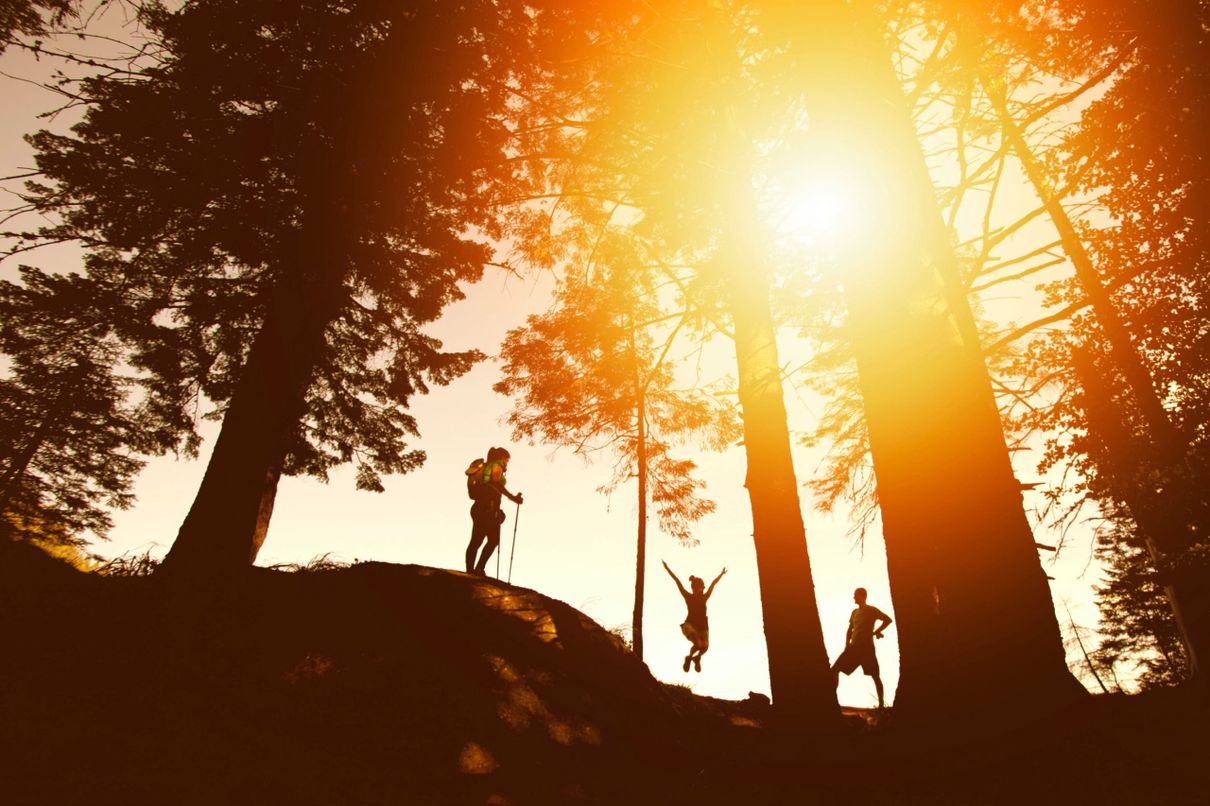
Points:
(699, 637)
(859, 654)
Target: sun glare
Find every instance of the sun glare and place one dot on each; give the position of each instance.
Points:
(817, 213)
(819, 204)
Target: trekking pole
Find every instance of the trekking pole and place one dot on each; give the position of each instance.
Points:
(513, 548)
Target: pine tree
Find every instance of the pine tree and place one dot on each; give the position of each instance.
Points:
(1137, 626)
(660, 124)
(594, 374)
(1155, 182)
(284, 201)
(1132, 355)
(69, 430)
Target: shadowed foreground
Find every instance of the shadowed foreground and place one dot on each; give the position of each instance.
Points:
(402, 684)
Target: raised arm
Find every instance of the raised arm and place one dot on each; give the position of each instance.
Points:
(679, 586)
(710, 589)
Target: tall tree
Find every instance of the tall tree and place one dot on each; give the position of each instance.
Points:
(665, 123)
(286, 200)
(964, 572)
(68, 427)
(1131, 354)
(594, 373)
(1137, 625)
(1132, 150)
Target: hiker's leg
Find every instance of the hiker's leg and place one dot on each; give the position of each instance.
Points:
(493, 540)
(878, 688)
(488, 551)
(472, 548)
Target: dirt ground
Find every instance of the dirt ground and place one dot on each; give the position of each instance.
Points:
(382, 684)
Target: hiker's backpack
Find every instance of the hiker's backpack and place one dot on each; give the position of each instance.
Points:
(478, 474)
(475, 486)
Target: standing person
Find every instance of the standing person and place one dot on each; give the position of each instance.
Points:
(859, 642)
(696, 626)
(485, 484)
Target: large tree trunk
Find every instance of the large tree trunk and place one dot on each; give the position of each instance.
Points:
(802, 685)
(972, 602)
(230, 515)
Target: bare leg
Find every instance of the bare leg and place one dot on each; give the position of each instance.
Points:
(697, 660)
(878, 688)
(493, 541)
(472, 549)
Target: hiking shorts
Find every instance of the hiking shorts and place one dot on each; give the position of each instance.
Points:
(858, 654)
(698, 636)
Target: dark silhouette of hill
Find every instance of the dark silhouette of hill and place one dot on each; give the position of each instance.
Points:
(382, 683)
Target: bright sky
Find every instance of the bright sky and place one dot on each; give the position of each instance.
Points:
(573, 543)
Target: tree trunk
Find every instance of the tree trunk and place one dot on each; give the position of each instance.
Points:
(640, 572)
(1121, 346)
(230, 515)
(802, 684)
(1167, 447)
(972, 603)
(803, 687)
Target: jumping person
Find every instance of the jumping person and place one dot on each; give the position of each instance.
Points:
(859, 642)
(696, 627)
(485, 484)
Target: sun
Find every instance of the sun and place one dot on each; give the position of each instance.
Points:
(819, 203)
(817, 212)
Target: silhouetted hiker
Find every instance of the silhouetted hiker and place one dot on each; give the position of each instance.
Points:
(485, 485)
(696, 627)
(859, 642)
